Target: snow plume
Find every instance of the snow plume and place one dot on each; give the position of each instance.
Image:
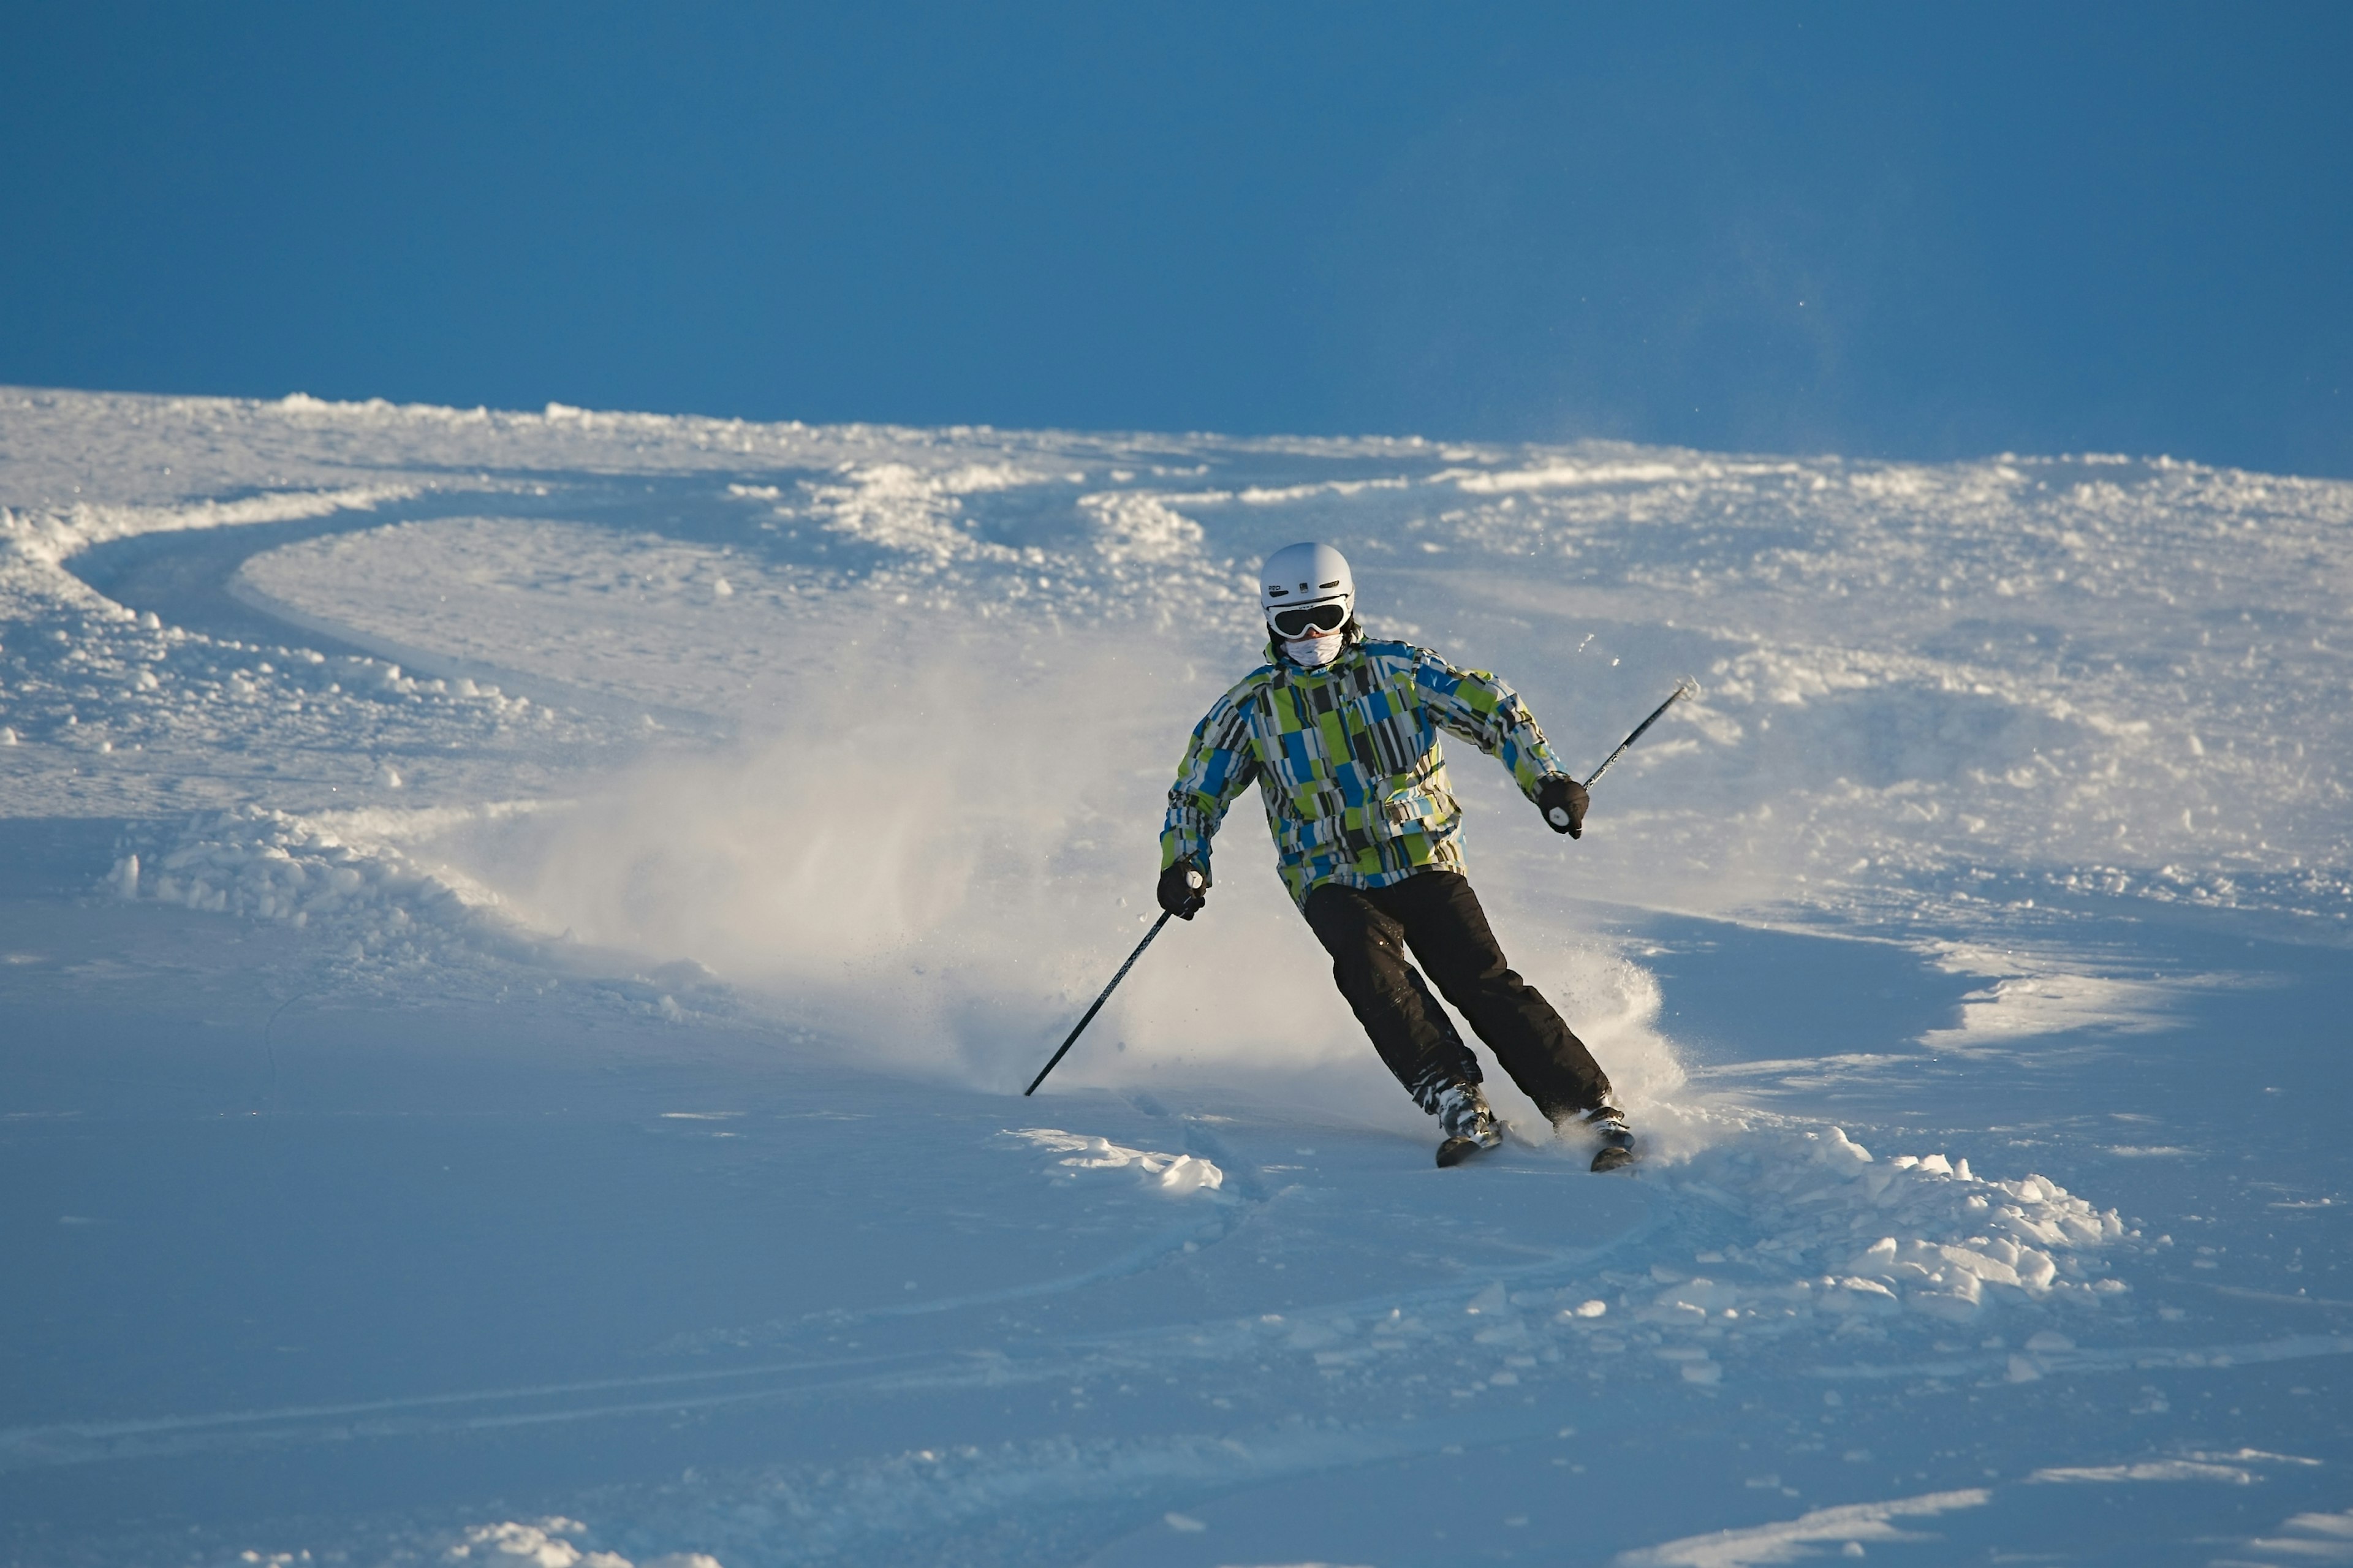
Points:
(944, 857)
(1614, 1003)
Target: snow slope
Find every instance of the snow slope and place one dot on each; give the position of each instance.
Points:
(524, 934)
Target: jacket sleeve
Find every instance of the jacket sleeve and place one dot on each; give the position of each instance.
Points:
(1481, 708)
(1219, 765)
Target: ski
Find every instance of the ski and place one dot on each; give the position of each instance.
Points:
(1454, 1151)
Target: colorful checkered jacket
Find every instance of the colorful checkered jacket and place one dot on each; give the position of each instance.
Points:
(1347, 762)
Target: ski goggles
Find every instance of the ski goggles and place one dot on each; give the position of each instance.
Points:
(1293, 622)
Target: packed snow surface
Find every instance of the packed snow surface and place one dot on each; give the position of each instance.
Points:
(522, 936)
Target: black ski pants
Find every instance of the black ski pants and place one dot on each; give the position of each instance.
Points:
(1367, 930)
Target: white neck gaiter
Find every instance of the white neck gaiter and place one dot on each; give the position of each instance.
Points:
(1314, 652)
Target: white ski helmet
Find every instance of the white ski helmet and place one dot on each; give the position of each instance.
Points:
(1309, 575)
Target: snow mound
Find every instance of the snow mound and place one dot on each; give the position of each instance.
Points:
(1834, 1232)
(552, 1544)
(1178, 1175)
(276, 866)
(1788, 1541)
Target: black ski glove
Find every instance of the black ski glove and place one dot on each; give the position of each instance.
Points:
(1183, 889)
(1563, 801)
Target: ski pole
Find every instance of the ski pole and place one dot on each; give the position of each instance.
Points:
(1090, 1019)
(1682, 688)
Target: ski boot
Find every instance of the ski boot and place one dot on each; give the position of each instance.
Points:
(1469, 1126)
(1607, 1122)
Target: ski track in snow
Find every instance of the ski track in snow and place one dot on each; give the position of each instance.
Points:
(851, 740)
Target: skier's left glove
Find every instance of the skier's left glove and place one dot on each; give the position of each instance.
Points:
(1563, 801)
(1183, 889)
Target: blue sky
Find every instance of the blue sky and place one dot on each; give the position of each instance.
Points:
(1878, 230)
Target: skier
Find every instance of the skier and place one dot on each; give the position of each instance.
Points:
(1340, 733)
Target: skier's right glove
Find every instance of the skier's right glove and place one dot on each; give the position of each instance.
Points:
(1183, 889)
(1563, 801)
